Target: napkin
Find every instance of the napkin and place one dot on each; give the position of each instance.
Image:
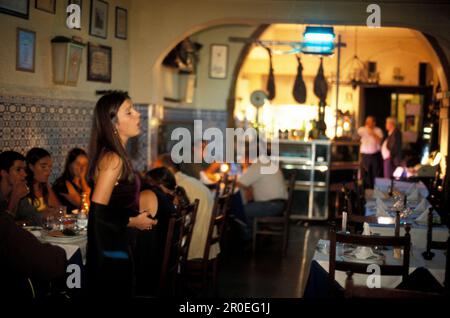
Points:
(381, 211)
(377, 194)
(364, 252)
(411, 187)
(381, 204)
(422, 206)
(414, 195)
(423, 218)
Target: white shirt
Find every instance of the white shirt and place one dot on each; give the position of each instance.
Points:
(197, 190)
(369, 145)
(265, 187)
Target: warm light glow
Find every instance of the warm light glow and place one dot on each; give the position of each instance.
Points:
(224, 168)
(318, 37)
(437, 159)
(346, 126)
(427, 130)
(385, 220)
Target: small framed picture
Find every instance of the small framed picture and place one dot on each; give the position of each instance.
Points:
(79, 3)
(18, 8)
(99, 19)
(99, 63)
(25, 50)
(121, 23)
(218, 61)
(46, 5)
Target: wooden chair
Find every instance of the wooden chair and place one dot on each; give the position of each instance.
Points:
(366, 240)
(352, 202)
(176, 249)
(276, 225)
(201, 271)
(353, 291)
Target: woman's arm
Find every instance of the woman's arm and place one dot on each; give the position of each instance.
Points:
(72, 195)
(109, 169)
(52, 198)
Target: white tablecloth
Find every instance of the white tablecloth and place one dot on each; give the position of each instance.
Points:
(383, 184)
(69, 244)
(418, 231)
(436, 266)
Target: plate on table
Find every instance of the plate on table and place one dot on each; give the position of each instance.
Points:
(376, 258)
(66, 236)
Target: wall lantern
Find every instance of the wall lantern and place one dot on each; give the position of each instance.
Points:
(66, 60)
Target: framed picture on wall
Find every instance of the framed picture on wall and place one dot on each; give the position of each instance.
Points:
(98, 25)
(121, 23)
(218, 61)
(46, 5)
(18, 8)
(79, 3)
(25, 50)
(99, 63)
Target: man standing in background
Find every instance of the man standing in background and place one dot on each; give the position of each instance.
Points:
(371, 137)
(391, 148)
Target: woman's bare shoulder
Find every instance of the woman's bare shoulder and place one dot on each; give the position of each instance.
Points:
(110, 161)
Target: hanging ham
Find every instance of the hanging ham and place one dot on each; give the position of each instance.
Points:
(299, 90)
(271, 80)
(320, 84)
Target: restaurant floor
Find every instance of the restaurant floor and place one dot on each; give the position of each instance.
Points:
(268, 274)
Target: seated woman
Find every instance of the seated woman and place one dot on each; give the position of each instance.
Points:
(39, 167)
(149, 248)
(165, 180)
(72, 184)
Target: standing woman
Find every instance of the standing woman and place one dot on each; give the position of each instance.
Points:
(39, 167)
(115, 198)
(72, 184)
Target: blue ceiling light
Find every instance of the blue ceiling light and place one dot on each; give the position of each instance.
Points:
(318, 40)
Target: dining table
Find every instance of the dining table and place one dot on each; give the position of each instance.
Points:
(386, 226)
(318, 286)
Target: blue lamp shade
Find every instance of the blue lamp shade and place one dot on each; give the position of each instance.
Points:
(318, 40)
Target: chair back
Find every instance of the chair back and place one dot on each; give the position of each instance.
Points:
(371, 241)
(218, 221)
(176, 248)
(353, 291)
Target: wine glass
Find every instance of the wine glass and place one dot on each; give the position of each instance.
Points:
(49, 222)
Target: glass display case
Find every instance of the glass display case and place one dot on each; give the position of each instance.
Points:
(317, 164)
(311, 162)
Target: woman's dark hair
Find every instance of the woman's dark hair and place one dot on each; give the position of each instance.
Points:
(104, 137)
(33, 156)
(162, 176)
(71, 157)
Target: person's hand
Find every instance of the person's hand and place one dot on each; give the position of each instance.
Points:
(19, 190)
(83, 172)
(143, 221)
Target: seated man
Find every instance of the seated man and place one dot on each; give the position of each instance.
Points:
(23, 256)
(194, 190)
(265, 193)
(13, 189)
